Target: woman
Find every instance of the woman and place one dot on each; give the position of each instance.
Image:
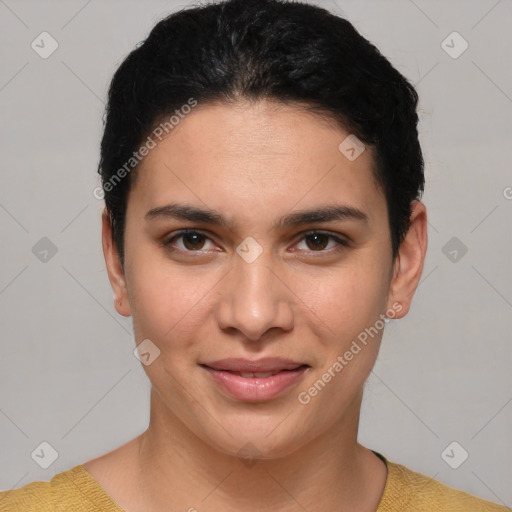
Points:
(262, 178)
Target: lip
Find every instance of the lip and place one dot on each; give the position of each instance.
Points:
(285, 373)
(266, 364)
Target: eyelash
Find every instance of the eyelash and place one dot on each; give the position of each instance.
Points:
(342, 242)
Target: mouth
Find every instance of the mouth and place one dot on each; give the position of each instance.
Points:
(255, 381)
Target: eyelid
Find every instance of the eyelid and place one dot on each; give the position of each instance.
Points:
(342, 243)
(167, 241)
(342, 239)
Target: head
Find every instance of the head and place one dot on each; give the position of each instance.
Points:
(287, 146)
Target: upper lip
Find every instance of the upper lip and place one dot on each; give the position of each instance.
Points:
(268, 364)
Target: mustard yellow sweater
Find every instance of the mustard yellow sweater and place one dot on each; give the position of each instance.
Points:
(75, 490)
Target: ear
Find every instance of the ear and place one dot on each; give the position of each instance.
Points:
(408, 264)
(114, 268)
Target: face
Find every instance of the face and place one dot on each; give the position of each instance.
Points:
(284, 269)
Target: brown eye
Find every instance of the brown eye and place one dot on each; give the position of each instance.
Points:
(322, 242)
(318, 241)
(188, 241)
(193, 241)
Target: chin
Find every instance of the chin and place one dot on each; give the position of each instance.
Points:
(257, 447)
(267, 437)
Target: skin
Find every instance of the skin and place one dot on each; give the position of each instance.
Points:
(253, 163)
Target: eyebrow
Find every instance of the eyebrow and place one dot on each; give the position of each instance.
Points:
(326, 213)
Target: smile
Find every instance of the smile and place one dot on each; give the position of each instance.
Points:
(236, 378)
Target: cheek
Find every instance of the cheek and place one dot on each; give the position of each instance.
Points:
(165, 302)
(350, 304)
(168, 309)
(347, 301)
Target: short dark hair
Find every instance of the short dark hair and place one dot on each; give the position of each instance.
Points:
(292, 52)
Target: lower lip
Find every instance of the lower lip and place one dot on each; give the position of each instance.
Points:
(254, 389)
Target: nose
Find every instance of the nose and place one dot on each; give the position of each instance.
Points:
(254, 299)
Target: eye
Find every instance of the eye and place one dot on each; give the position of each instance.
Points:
(319, 241)
(191, 240)
(316, 241)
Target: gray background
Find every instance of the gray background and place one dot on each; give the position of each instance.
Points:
(68, 374)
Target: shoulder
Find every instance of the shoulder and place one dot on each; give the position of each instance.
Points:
(74, 489)
(408, 491)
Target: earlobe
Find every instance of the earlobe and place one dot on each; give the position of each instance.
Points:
(408, 265)
(114, 268)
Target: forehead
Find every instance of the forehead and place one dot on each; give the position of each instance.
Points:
(260, 156)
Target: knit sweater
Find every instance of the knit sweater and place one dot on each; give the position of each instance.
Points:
(76, 490)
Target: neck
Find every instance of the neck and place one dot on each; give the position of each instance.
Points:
(331, 472)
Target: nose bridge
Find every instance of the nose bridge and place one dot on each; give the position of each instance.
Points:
(253, 299)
